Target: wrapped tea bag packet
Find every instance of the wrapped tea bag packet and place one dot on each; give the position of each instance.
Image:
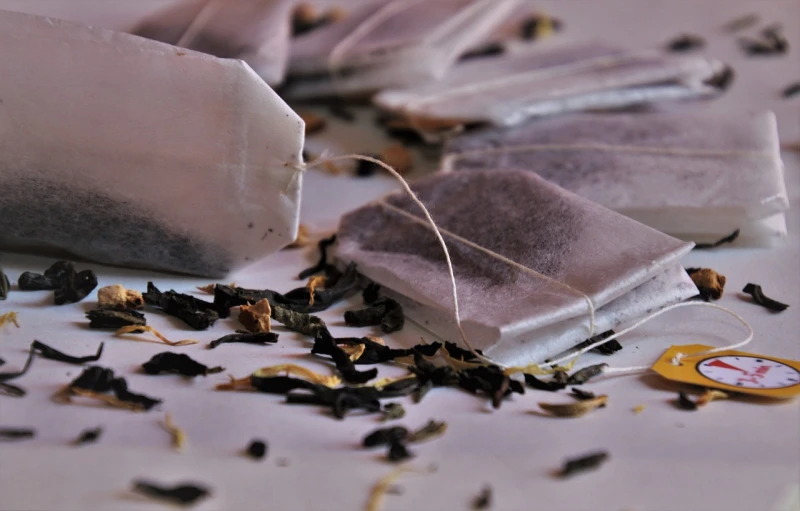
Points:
(256, 31)
(128, 151)
(396, 43)
(531, 260)
(692, 173)
(552, 78)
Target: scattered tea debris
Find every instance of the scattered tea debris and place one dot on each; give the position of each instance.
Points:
(685, 43)
(115, 319)
(710, 283)
(484, 499)
(138, 329)
(710, 395)
(398, 451)
(16, 433)
(178, 434)
(550, 386)
(392, 411)
(755, 291)
(88, 436)
(246, 337)
(608, 348)
(196, 313)
(179, 363)
(742, 22)
(539, 26)
(576, 409)
(382, 487)
(9, 317)
(386, 312)
(323, 258)
(4, 285)
(117, 297)
(433, 429)
(308, 17)
(325, 344)
(184, 494)
(302, 239)
(385, 436)
(790, 91)
(96, 382)
(685, 402)
(69, 286)
(305, 324)
(314, 282)
(771, 41)
(487, 50)
(638, 409)
(722, 79)
(46, 351)
(587, 373)
(13, 390)
(730, 238)
(398, 157)
(584, 463)
(256, 318)
(582, 394)
(257, 449)
(314, 123)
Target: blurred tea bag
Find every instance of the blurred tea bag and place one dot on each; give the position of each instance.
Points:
(533, 263)
(133, 152)
(256, 31)
(692, 173)
(553, 78)
(396, 43)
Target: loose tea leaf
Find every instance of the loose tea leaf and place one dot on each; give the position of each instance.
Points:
(117, 297)
(305, 324)
(178, 435)
(179, 363)
(771, 42)
(12, 390)
(324, 343)
(582, 394)
(550, 386)
(115, 319)
(196, 313)
(755, 291)
(487, 50)
(608, 348)
(16, 433)
(484, 499)
(323, 258)
(727, 239)
(9, 317)
(88, 436)
(576, 409)
(313, 283)
(95, 382)
(245, 337)
(686, 42)
(256, 318)
(398, 452)
(366, 168)
(385, 436)
(138, 329)
(685, 402)
(429, 431)
(584, 463)
(490, 380)
(392, 411)
(710, 283)
(722, 79)
(69, 286)
(386, 312)
(6, 377)
(4, 285)
(539, 26)
(582, 376)
(185, 494)
(257, 449)
(46, 351)
(790, 90)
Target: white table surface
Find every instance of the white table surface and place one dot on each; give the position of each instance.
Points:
(740, 454)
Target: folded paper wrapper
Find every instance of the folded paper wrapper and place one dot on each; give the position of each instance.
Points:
(555, 249)
(398, 43)
(132, 152)
(694, 174)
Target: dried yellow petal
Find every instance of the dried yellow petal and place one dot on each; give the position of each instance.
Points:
(378, 340)
(106, 398)
(9, 317)
(303, 238)
(235, 384)
(314, 123)
(130, 329)
(313, 283)
(354, 351)
(379, 384)
(638, 409)
(710, 395)
(429, 431)
(538, 370)
(209, 288)
(382, 486)
(256, 318)
(575, 409)
(117, 297)
(300, 372)
(178, 435)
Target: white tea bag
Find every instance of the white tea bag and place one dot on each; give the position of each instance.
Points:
(533, 263)
(550, 79)
(256, 31)
(132, 152)
(398, 43)
(692, 173)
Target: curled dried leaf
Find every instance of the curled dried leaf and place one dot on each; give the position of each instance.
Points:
(138, 329)
(178, 435)
(236, 384)
(9, 317)
(313, 283)
(576, 409)
(256, 317)
(710, 395)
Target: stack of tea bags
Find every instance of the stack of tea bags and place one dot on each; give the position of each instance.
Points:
(256, 31)
(549, 78)
(129, 151)
(396, 43)
(533, 262)
(692, 173)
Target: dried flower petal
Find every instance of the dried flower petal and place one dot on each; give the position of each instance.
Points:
(178, 435)
(575, 409)
(9, 317)
(117, 297)
(303, 238)
(256, 318)
(313, 283)
(299, 371)
(137, 329)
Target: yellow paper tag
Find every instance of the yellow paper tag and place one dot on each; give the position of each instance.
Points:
(735, 371)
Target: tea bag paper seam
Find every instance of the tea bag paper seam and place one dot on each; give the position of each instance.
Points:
(521, 267)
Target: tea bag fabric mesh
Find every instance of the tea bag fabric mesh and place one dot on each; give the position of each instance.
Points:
(529, 257)
(132, 152)
(691, 173)
(403, 42)
(256, 31)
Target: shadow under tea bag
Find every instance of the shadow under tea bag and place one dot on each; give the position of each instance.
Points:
(531, 262)
(132, 152)
(398, 43)
(695, 174)
(256, 31)
(549, 79)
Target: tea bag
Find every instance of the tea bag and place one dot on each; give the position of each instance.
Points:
(397, 43)
(692, 173)
(256, 31)
(538, 269)
(132, 152)
(552, 78)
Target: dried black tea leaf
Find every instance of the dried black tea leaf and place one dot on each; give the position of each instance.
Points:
(385, 436)
(16, 433)
(46, 351)
(587, 373)
(120, 389)
(722, 79)
(303, 323)
(790, 91)
(398, 452)
(323, 258)
(88, 436)
(196, 313)
(246, 337)
(29, 281)
(490, 380)
(458, 353)
(432, 429)
(392, 411)
(730, 238)
(115, 319)
(69, 286)
(686, 42)
(96, 382)
(539, 26)
(179, 363)
(484, 499)
(742, 22)
(755, 291)
(685, 402)
(2, 361)
(365, 168)
(94, 378)
(488, 50)
(325, 344)
(6, 377)
(608, 348)
(771, 42)
(584, 463)
(582, 394)
(12, 390)
(385, 312)
(257, 449)
(550, 386)
(4, 285)
(371, 293)
(184, 494)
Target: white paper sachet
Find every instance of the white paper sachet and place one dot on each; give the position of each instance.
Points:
(256, 31)
(398, 43)
(694, 174)
(133, 152)
(552, 79)
(531, 261)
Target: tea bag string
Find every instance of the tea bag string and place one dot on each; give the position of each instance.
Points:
(511, 262)
(199, 22)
